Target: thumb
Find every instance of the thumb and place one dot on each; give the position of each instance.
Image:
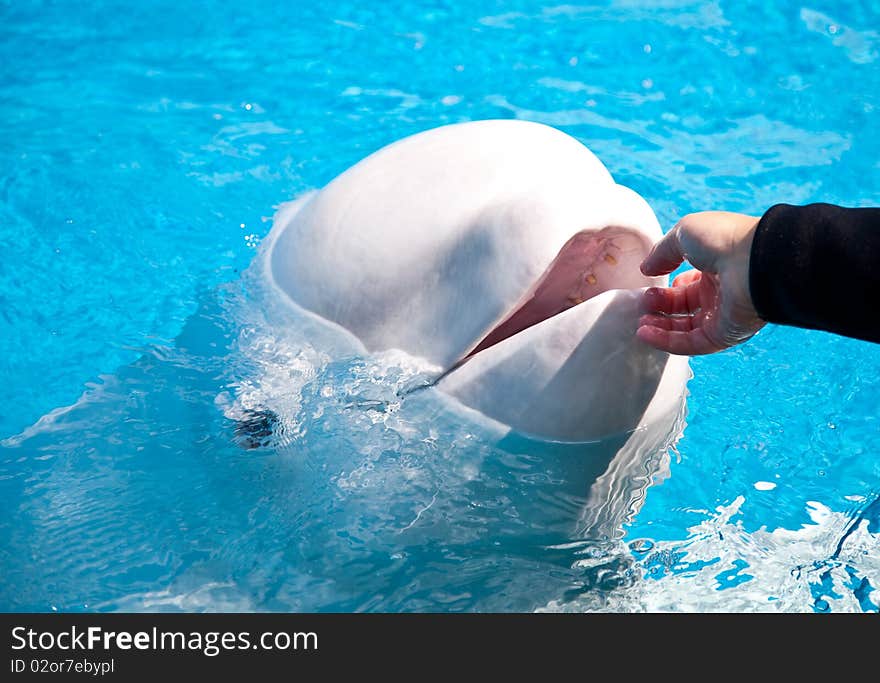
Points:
(665, 256)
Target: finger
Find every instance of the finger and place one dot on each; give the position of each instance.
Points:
(693, 343)
(674, 323)
(687, 278)
(665, 256)
(672, 300)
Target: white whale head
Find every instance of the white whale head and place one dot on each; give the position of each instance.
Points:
(503, 253)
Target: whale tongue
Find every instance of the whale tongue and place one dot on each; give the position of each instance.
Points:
(591, 262)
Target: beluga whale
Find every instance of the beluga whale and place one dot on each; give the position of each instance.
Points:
(504, 254)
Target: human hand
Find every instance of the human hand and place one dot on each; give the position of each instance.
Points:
(708, 309)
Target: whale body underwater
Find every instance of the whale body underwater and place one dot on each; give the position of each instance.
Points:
(503, 253)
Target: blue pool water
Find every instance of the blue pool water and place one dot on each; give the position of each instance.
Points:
(145, 147)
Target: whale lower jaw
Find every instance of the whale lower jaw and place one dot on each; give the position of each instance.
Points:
(579, 376)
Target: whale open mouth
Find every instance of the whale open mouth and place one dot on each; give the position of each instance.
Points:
(591, 262)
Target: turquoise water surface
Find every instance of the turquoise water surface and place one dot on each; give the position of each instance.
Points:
(146, 147)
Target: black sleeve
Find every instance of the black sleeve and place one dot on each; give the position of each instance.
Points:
(818, 266)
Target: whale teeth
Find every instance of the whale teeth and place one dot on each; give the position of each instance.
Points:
(575, 300)
(610, 260)
(591, 279)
